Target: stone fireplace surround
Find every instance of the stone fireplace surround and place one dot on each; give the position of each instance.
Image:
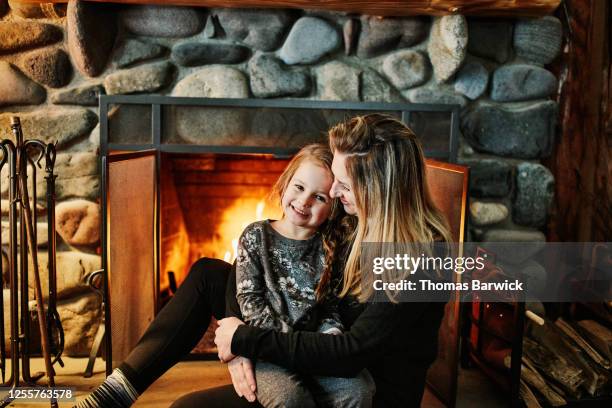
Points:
(53, 67)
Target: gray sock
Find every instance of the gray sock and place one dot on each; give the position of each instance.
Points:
(115, 392)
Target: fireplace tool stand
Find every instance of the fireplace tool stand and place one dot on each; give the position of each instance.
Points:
(20, 156)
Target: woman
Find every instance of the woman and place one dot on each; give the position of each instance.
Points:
(379, 177)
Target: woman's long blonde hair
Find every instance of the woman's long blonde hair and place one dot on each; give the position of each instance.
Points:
(386, 165)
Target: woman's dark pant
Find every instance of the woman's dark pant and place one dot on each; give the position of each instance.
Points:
(180, 325)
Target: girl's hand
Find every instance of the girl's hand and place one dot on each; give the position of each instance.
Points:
(243, 378)
(223, 337)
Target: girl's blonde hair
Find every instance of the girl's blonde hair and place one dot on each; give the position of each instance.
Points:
(387, 169)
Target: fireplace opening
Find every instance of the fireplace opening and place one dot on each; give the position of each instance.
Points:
(206, 202)
(183, 177)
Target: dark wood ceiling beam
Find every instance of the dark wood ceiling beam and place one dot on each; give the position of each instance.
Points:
(379, 7)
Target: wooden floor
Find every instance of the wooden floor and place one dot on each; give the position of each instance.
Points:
(474, 390)
(181, 379)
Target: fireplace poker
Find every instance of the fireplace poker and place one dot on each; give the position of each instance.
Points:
(25, 203)
(8, 149)
(53, 316)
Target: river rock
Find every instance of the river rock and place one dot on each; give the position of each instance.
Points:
(144, 78)
(35, 10)
(434, 96)
(86, 95)
(375, 88)
(54, 124)
(72, 268)
(260, 29)
(132, 51)
(406, 68)
(5, 204)
(22, 35)
(482, 213)
(490, 39)
(127, 124)
(522, 82)
(534, 194)
(78, 177)
(309, 40)
(472, 80)
(76, 164)
(78, 222)
(18, 89)
(91, 29)
(42, 234)
(213, 125)
(350, 33)
(337, 81)
(193, 54)
(508, 235)
(271, 78)
(516, 130)
(379, 35)
(538, 40)
(447, 45)
(49, 67)
(213, 82)
(162, 21)
(490, 178)
(80, 316)
(210, 27)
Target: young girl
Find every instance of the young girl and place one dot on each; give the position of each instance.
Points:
(278, 267)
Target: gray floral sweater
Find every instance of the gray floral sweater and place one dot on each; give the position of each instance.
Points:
(276, 279)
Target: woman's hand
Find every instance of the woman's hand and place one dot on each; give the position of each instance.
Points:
(223, 337)
(243, 377)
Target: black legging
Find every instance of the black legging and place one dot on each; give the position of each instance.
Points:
(177, 329)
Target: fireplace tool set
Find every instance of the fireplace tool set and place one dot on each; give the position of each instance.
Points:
(20, 155)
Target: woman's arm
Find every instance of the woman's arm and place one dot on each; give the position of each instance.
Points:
(317, 353)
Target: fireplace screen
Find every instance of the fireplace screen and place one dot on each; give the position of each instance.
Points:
(182, 178)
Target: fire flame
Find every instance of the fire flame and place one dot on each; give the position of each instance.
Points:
(237, 217)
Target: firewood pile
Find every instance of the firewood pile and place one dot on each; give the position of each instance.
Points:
(565, 361)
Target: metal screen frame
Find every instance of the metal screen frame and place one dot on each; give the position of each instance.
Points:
(156, 103)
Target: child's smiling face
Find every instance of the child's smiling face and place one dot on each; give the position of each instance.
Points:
(306, 202)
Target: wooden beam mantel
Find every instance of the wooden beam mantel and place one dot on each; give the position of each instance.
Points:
(506, 8)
